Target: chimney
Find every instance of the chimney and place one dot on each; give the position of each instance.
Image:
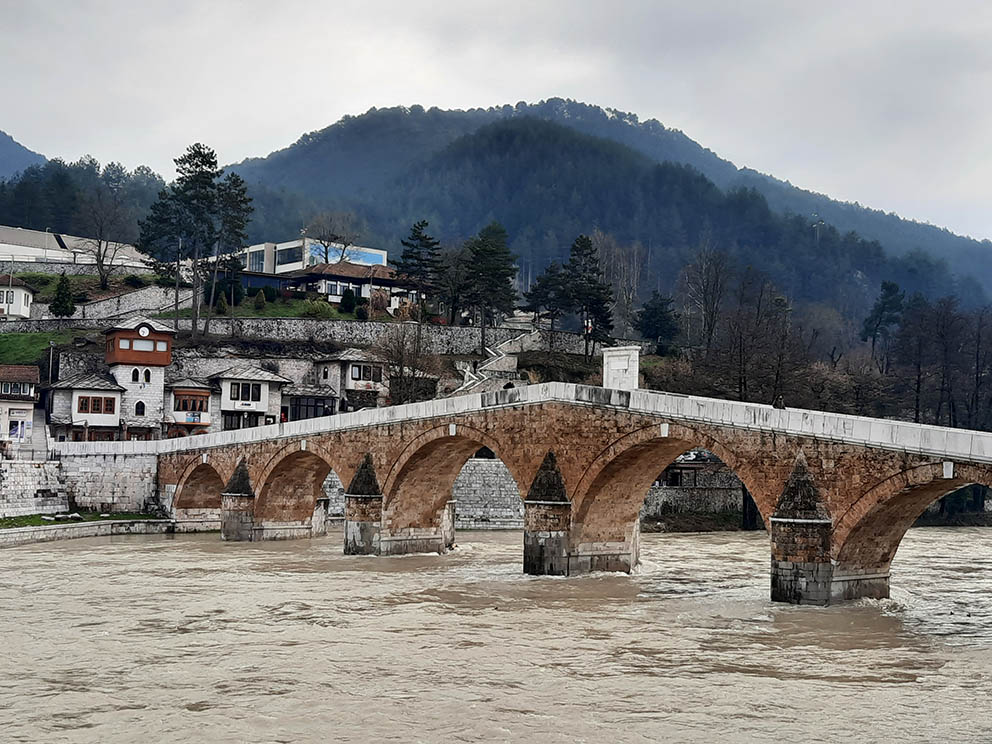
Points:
(621, 365)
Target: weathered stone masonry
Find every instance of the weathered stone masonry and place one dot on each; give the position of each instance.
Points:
(842, 490)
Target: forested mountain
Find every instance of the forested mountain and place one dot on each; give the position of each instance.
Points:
(15, 157)
(547, 183)
(67, 198)
(360, 155)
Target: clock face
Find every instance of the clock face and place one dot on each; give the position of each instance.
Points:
(143, 331)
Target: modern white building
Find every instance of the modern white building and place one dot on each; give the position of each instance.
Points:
(294, 255)
(15, 298)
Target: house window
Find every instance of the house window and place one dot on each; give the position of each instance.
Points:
(377, 374)
(256, 391)
(305, 408)
(27, 300)
(289, 255)
(108, 405)
(143, 344)
(134, 375)
(96, 405)
(83, 406)
(256, 261)
(332, 288)
(673, 478)
(148, 375)
(356, 371)
(10, 297)
(125, 343)
(5, 388)
(161, 346)
(326, 369)
(139, 408)
(235, 391)
(15, 388)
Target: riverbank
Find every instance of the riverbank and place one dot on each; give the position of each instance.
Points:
(13, 536)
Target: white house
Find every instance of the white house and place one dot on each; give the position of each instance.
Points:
(249, 397)
(86, 408)
(15, 298)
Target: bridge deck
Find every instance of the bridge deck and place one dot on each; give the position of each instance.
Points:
(961, 445)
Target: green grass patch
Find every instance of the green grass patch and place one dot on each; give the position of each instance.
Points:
(37, 520)
(82, 285)
(29, 348)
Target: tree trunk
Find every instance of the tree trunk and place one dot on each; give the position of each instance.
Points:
(213, 290)
(196, 291)
(179, 253)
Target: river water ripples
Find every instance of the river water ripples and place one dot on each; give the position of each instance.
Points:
(149, 639)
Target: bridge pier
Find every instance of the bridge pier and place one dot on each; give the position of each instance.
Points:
(412, 540)
(448, 524)
(318, 522)
(546, 527)
(616, 556)
(362, 523)
(237, 516)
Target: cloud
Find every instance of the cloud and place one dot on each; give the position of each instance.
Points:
(879, 102)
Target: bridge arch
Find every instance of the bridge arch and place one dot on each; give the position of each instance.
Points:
(866, 537)
(419, 482)
(611, 492)
(199, 488)
(290, 482)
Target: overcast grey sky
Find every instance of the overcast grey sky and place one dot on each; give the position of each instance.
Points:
(885, 103)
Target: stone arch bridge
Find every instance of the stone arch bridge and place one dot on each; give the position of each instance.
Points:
(838, 492)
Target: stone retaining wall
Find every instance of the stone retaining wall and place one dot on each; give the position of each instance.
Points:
(144, 301)
(27, 535)
(112, 483)
(31, 488)
(459, 340)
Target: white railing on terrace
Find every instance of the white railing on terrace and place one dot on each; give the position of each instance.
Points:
(935, 441)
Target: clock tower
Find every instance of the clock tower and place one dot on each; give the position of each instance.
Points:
(138, 351)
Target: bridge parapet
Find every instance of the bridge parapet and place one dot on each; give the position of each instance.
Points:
(934, 441)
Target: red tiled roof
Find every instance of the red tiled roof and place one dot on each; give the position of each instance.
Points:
(348, 270)
(19, 373)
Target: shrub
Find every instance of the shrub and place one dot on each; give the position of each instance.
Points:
(222, 306)
(270, 294)
(318, 309)
(362, 312)
(165, 281)
(348, 301)
(133, 280)
(224, 287)
(260, 300)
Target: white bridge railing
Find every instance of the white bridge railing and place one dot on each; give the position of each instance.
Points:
(936, 441)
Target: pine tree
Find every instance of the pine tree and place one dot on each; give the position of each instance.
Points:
(589, 294)
(491, 275)
(658, 321)
(221, 305)
(348, 301)
(885, 314)
(260, 300)
(420, 264)
(62, 305)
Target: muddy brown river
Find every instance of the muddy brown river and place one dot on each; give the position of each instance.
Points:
(156, 639)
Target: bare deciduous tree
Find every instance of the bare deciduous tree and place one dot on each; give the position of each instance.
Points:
(704, 286)
(413, 374)
(334, 234)
(622, 265)
(106, 219)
